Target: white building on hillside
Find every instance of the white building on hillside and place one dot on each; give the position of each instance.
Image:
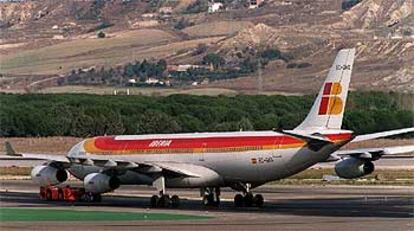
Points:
(215, 7)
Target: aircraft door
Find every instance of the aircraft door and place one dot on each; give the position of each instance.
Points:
(277, 143)
(202, 151)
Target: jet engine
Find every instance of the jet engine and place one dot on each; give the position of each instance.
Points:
(351, 167)
(100, 183)
(45, 175)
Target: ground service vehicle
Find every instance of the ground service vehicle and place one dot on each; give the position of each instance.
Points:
(67, 193)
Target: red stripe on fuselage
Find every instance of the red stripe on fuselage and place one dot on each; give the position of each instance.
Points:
(109, 143)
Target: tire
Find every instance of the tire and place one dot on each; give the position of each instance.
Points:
(210, 199)
(217, 203)
(238, 200)
(97, 197)
(89, 197)
(248, 200)
(164, 201)
(205, 200)
(175, 201)
(258, 200)
(154, 201)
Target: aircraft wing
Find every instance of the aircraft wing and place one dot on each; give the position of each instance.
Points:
(32, 156)
(153, 167)
(170, 168)
(382, 134)
(371, 153)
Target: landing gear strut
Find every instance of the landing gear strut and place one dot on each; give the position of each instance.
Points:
(211, 196)
(163, 200)
(247, 199)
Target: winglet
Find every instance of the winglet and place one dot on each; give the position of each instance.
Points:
(9, 149)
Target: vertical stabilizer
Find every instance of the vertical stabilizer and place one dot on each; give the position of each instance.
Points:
(328, 109)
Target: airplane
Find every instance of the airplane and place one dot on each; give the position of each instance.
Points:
(240, 160)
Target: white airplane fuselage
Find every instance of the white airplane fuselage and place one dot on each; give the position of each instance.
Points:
(249, 157)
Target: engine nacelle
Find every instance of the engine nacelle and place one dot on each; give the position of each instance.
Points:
(100, 183)
(350, 168)
(45, 175)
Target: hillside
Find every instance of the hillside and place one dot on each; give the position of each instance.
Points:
(44, 39)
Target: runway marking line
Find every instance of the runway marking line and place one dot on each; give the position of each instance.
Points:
(41, 214)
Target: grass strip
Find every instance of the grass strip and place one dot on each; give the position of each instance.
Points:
(24, 214)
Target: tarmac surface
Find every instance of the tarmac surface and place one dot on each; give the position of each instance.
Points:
(286, 208)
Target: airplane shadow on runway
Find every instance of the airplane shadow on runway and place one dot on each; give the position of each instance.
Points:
(391, 207)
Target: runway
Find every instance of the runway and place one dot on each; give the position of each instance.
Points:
(286, 208)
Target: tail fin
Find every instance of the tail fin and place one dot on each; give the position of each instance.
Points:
(328, 109)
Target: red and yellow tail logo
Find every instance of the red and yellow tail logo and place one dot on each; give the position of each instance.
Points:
(331, 103)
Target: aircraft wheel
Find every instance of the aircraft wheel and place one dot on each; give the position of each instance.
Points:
(238, 200)
(248, 200)
(258, 200)
(89, 197)
(175, 201)
(97, 198)
(154, 201)
(205, 200)
(164, 201)
(217, 203)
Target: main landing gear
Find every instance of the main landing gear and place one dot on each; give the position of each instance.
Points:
(211, 196)
(163, 200)
(247, 199)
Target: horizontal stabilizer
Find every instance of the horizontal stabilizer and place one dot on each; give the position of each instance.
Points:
(371, 153)
(305, 137)
(382, 134)
(314, 142)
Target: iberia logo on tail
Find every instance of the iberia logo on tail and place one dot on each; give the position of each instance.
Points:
(331, 103)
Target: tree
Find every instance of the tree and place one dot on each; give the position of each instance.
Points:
(197, 7)
(270, 54)
(249, 65)
(348, 4)
(182, 23)
(214, 59)
(200, 49)
(129, 70)
(156, 122)
(267, 122)
(189, 123)
(101, 34)
(245, 125)
(161, 66)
